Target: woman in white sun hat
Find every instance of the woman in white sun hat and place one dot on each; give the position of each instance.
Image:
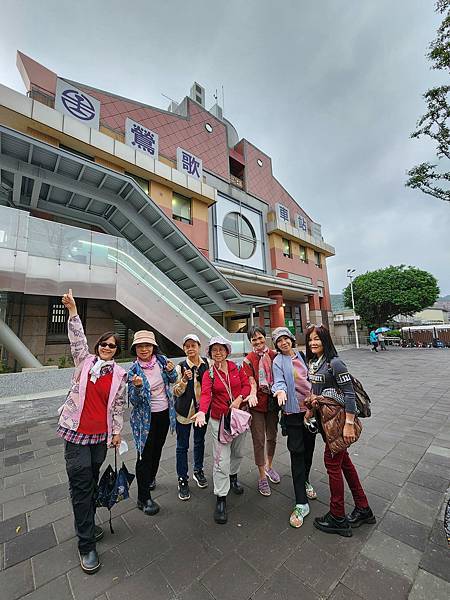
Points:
(224, 385)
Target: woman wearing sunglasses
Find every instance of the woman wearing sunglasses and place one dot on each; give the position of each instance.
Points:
(91, 419)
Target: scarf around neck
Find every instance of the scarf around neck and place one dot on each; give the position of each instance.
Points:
(265, 378)
(148, 365)
(99, 368)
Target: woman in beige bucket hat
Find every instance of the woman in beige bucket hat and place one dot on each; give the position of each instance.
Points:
(149, 391)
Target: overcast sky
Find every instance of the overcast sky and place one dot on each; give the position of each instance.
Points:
(331, 90)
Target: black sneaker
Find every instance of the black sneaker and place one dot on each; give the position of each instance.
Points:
(183, 489)
(200, 478)
(235, 486)
(89, 562)
(152, 485)
(359, 516)
(330, 524)
(98, 533)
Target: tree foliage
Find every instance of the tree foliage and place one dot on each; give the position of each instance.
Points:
(433, 179)
(395, 290)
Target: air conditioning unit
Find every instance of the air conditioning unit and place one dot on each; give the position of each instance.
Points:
(198, 94)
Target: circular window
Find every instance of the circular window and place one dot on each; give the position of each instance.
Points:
(260, 162)
(239, 235)
(208, 127)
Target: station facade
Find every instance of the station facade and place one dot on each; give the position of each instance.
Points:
(194, 202)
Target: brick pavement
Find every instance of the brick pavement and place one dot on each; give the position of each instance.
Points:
(403, 458)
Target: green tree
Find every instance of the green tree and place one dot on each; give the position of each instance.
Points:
(395, 290)
(433, 179)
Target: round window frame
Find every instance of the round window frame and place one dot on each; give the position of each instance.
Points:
(237, 235)
(209, 128)
(259, 162)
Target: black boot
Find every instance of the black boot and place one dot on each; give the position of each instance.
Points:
(235, 485)
(330, 524)
(359, 516)
(220, 512)
(149, 507)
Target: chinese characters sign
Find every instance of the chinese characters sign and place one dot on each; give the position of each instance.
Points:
(302, 223)
(142, 139)
(189, 164)
(71, 101)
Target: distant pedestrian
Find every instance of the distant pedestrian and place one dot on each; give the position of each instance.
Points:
(224, 385)
(187, 391)
(291, 388)
(153, 412)
(91, 419)
(329, 377)
(263, 407)
(373, 340)
(381, 341)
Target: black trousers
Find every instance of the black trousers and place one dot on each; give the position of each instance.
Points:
(83, 468)
(147, 465)
(300, 443)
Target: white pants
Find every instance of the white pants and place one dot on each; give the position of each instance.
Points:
(227, 458)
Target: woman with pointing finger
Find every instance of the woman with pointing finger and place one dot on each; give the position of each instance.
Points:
(90, 420)
(153, 412)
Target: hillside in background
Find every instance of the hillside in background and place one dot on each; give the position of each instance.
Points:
(337, 302)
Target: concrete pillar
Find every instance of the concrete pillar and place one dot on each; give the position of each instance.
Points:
(276, 310)
(17, 348)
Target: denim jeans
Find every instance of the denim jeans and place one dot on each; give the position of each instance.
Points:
(183, 435)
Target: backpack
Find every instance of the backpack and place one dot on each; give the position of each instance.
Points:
(363, 402)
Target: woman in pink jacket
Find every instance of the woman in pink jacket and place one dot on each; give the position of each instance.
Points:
(91, 419)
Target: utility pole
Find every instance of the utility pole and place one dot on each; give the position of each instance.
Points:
(350, 276)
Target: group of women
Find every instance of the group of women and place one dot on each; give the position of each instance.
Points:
(201, 391)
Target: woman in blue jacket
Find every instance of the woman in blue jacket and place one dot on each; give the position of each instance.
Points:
(291, 387)
(153, 412)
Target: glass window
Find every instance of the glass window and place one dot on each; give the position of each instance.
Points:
(317, 259)
(303, 254)
(142, 183)
(287, 250)
(181, 208)
(57, 319)
(239, 235)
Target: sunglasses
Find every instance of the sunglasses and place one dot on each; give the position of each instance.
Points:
(106, 345)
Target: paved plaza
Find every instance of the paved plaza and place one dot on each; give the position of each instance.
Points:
(403, 457)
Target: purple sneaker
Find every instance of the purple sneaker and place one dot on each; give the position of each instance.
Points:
(264, 487)
(272, 475)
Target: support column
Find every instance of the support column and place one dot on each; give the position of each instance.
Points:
(276, 310)
(315, 314)
(17, 348)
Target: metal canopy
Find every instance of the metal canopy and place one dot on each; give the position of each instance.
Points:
(35, 175)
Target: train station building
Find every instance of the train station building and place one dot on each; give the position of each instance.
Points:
(156, 218)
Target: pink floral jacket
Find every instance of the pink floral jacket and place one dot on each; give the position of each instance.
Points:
(70, 411)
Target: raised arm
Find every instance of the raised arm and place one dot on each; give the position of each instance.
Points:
(78, 342)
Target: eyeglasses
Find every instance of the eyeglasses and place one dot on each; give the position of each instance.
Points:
(106, 345)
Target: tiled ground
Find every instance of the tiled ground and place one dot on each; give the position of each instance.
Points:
(403, 457)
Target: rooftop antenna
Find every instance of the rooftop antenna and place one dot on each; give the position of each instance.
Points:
(215, 96)
(169, 98)
(223, 100)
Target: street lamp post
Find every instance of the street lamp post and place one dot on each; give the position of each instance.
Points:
(350, 276)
